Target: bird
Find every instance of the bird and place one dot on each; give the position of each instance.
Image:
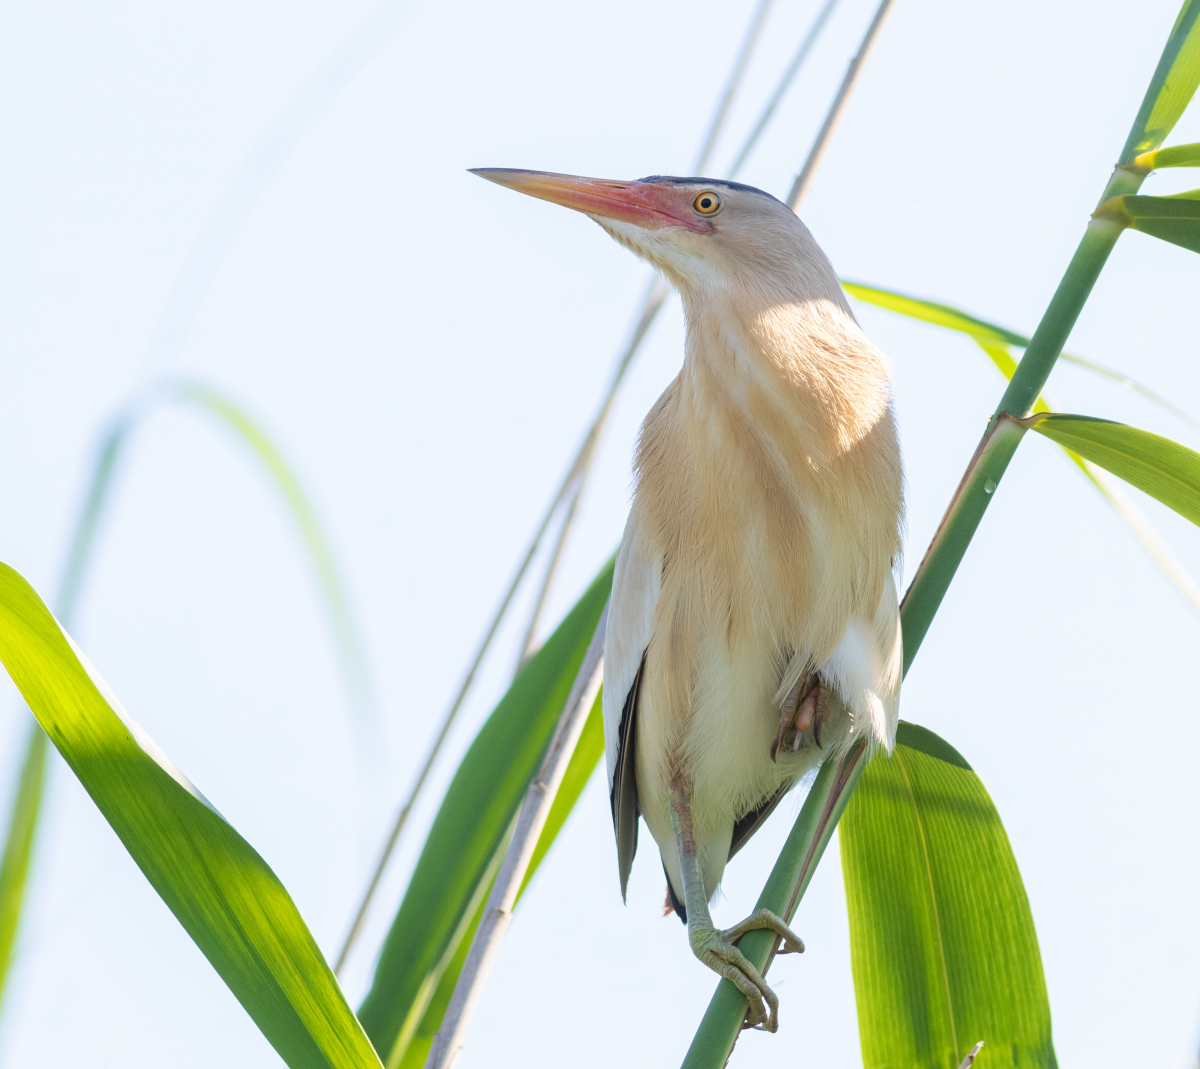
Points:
(753, 627)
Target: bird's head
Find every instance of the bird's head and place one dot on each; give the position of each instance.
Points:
(703, 234)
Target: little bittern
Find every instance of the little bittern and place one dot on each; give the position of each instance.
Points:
(753, 629)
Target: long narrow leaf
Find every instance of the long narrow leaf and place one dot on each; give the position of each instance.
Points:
(1172, 86)
(463, 847)
(351, 649)
(992, 334)
(18, 845)
(942, 943)
(1175, 156)
(1162, 468)
(1175, 219)
(995, 341)
(586, 757)
(221, 891)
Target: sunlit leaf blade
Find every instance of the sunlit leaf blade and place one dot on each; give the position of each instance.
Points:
(941, 315)
(463, 847)
(1175, 156)
(991, 336)
(588, 752)
(1175, 219)
(1158, 466)
(18, 846)
(942, 944)
(1112, 493)
(1172, 86)
(218, 887)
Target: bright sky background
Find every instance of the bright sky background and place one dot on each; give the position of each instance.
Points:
(428, 349)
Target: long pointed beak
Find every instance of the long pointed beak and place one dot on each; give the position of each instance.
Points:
(645, 204)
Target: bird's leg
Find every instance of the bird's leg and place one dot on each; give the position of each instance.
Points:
(805, 707)
(716, 948)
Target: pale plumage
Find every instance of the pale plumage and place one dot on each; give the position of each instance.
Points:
(760, 546)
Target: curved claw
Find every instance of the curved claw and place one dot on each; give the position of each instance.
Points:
(719, 951)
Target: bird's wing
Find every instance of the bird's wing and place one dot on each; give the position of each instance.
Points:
(744, 827)
(630, 622)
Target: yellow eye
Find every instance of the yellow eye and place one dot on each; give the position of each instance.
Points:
(707, 203)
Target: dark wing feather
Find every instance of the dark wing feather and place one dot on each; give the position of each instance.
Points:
(747, 825)
(624, 788)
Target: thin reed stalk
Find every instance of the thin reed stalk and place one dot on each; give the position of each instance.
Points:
(532, 818)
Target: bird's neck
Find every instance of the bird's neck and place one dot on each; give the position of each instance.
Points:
(793, 368)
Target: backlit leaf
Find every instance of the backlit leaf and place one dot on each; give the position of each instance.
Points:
(1175, 219)
(1172, 86)
(943, 948)
(1175, 156)
(1158, 466)
(221, 891)
(465, 844)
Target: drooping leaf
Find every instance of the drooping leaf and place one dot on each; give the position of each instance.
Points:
(222, 892)
(992, 337)
(1171, 88)
(26, 806)
(584, 760)
(1175, 219)
(465, 844)
(351, 649)
(1162, 468)
(942, 944)
(1175, 156)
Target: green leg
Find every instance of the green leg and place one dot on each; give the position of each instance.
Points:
(715, 948)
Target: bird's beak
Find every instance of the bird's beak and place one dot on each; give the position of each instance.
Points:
(646, 204)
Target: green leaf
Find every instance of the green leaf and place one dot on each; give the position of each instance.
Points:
(1171, 88)
(1175, 156)
(467, 839)
(218, 887)
(18, 845)
(941, 315)
(942, 944)
(1162, 468)
(350, 647)
(1175, 219)
(584, 760)
(991, 337)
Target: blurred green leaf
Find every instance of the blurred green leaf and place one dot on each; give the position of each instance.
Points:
(1175, 156)
(351, 649)
(221, 891)
(942, 944)
(1158, 466)
(1171, 88)
(26, 806)
(1175, 219)
(587, 755)
(18, 845)
(467, 839)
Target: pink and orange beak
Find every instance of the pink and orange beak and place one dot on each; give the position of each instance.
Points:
(651, 205)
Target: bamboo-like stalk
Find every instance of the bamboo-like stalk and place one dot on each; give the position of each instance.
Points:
(534, 811)
(722, 1021)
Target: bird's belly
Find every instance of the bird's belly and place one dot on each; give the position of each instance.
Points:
(719, 751)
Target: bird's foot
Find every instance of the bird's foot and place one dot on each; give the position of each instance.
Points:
(805, 708)
(718, 950)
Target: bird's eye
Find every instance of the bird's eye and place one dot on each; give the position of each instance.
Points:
(707, 203)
